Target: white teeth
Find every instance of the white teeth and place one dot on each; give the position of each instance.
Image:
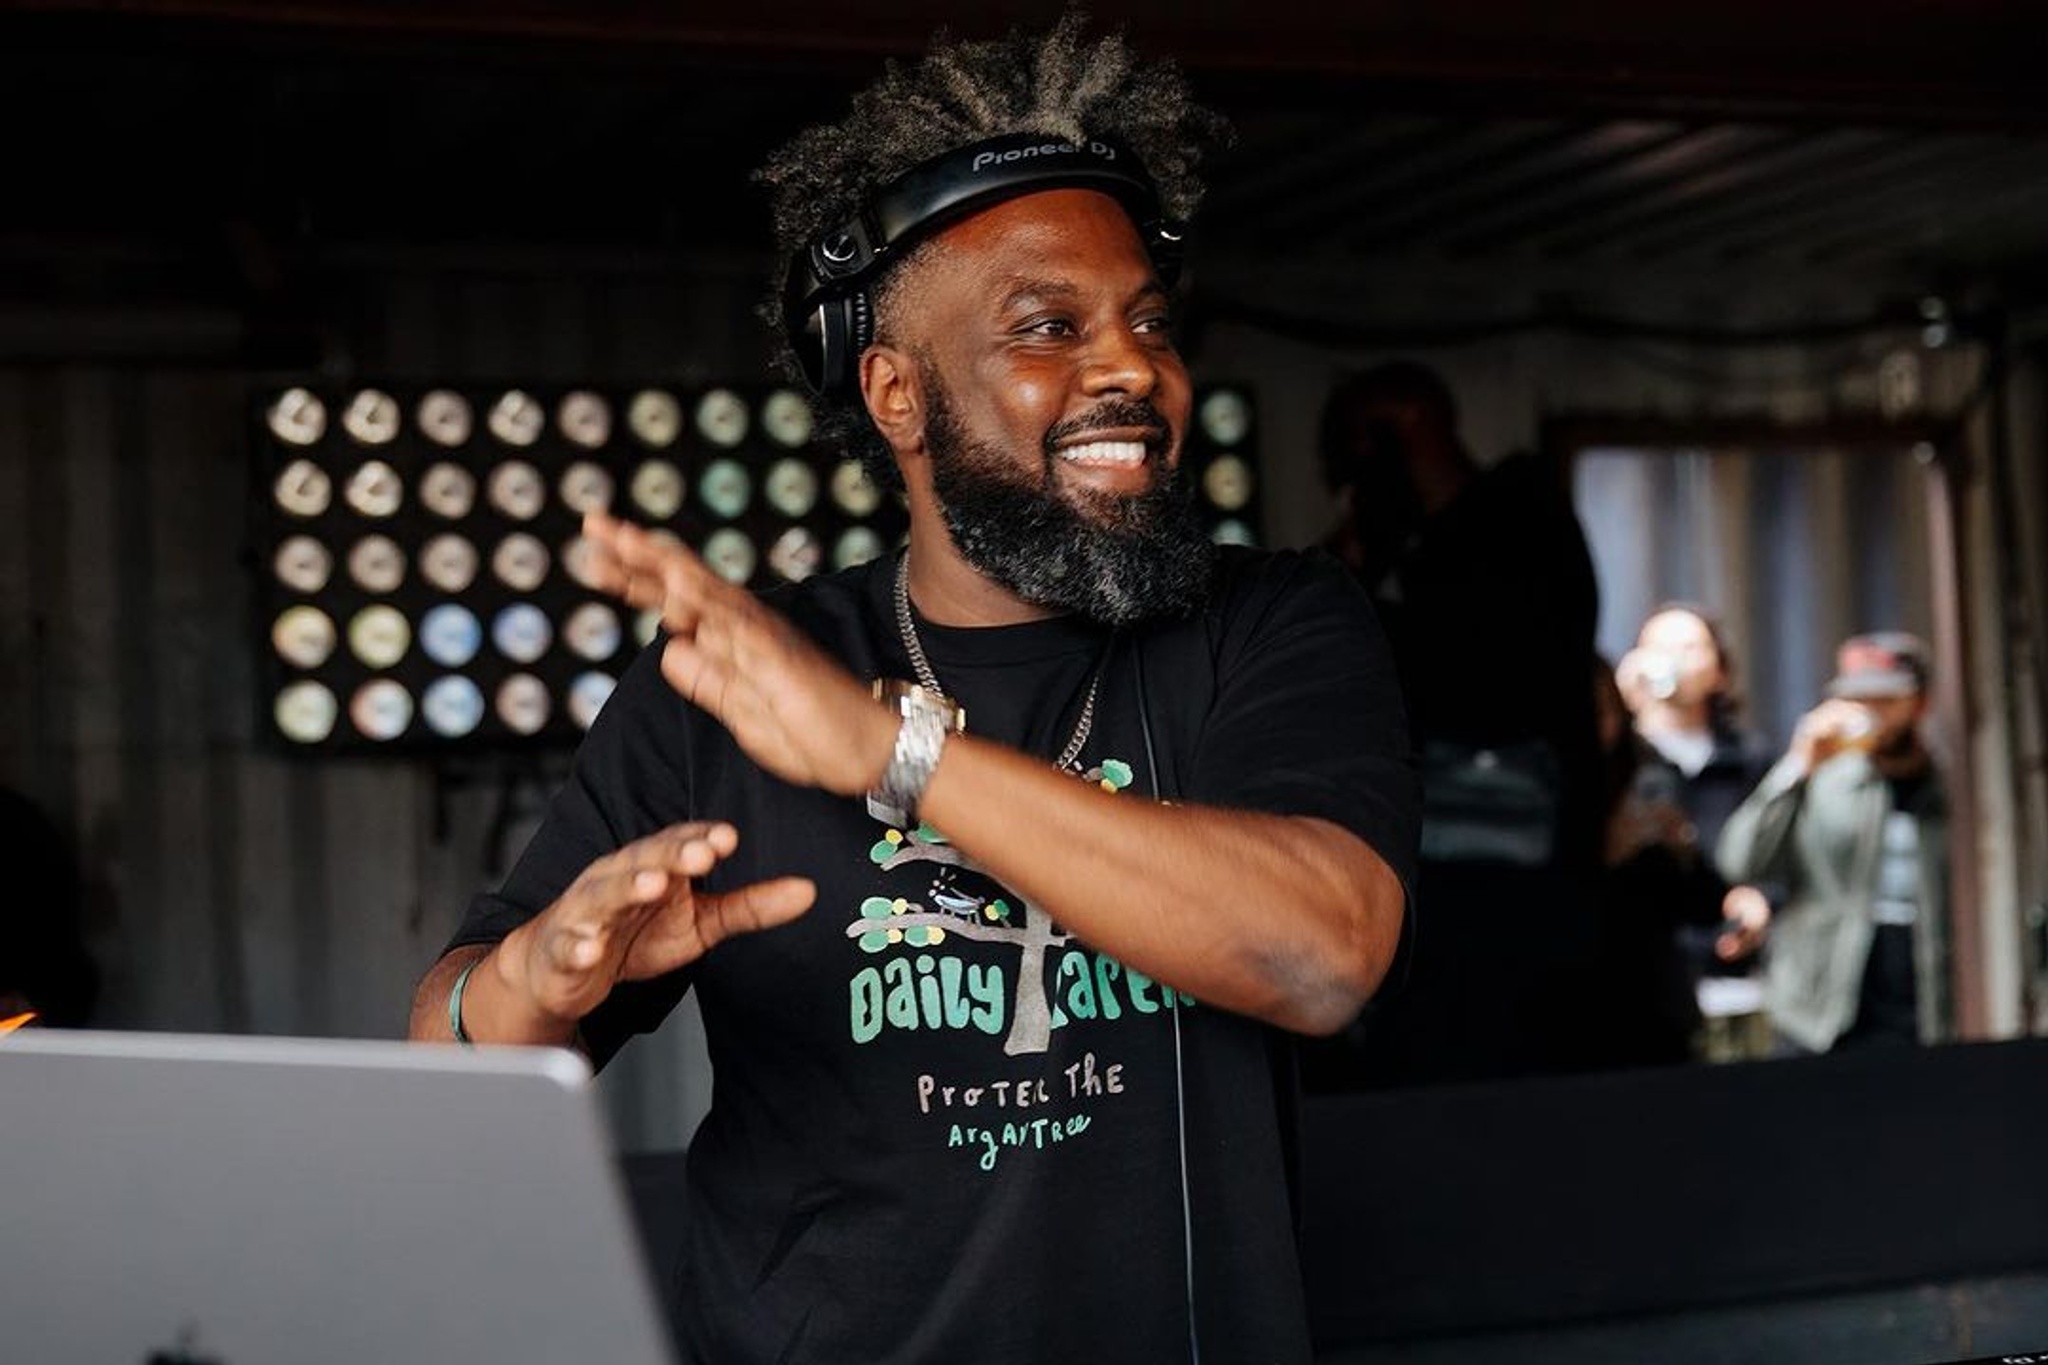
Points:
(1113, 453)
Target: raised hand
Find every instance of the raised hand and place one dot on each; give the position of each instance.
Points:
(637, 913)
(792, 708)
(1829, 729)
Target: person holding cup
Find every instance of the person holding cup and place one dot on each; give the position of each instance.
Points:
(1679, 684)
(1853, 820)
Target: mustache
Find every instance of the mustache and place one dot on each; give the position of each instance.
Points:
(1112, 414)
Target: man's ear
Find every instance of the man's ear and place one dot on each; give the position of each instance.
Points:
(890, 386)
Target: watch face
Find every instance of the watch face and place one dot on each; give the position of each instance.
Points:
(379, 636)
(791, 487)
(722, 417)
(1227, 482)
(654, 418)
(372, 418)
(586, 487)
(445, 418)
(375, 490)
(786, 417)
(297, 418)
(448, 562)
(853, 491)
(587, 696)
(381, 709)
(523, 704)
(447, 490)
(725, 489)
(305, 712)
(579, 559)
(796, 554)
(452, 706)
(450, 635)
(377, 564)
(303, 636)
(521, 632)
(1231, 531)
(520, 562)
(1225, 417)
(516, 419)
(856, 545)
(517, 491)
(593, 632)
(657, 489)
(303, 564)
(730, 554)
(585, 419)
(303, 489)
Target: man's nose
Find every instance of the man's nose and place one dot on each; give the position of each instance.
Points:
(1120, 361)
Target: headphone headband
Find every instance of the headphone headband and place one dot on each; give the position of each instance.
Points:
(825, 305)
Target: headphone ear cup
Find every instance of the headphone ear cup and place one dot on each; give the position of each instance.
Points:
(844, 327)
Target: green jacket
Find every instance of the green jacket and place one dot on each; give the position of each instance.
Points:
(1820, 836)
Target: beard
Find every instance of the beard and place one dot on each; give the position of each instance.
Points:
(1115, 559)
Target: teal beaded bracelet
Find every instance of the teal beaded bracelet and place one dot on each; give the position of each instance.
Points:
(455, 1004)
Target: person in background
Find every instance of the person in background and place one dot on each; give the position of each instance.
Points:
(1657, 878)
(1486, 589)
(1853, 820)
(1679, 681)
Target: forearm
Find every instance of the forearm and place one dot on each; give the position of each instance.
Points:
(495, 1009)
(1287, 919)
(1754, 840)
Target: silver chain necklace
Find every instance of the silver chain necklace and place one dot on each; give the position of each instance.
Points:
(929, 680)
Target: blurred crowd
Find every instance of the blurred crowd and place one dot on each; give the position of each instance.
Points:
(1616, 870)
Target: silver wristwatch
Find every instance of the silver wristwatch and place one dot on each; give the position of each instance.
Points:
(928, 717)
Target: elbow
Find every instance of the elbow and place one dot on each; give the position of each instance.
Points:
(1326, 994)
(1329, 1014)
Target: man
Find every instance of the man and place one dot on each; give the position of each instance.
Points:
(1012, 1089)
(1485, 585)
(1854, 822)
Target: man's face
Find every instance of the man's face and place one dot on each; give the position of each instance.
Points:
(1895, 723)
(1055, 405)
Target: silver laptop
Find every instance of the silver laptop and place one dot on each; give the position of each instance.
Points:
(253, 1201)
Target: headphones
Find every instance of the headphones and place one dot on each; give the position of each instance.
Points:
(827, 308)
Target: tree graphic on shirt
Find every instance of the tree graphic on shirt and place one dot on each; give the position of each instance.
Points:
(885, 923)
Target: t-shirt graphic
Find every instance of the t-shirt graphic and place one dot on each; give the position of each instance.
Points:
(938, 969)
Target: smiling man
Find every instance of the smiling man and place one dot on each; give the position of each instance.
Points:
(1003, 867)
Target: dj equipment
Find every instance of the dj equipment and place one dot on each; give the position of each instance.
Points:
(828, 303)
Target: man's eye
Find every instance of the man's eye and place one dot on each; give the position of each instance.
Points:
(1049, 327)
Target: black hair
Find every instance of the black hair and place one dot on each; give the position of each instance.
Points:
(1060, 82)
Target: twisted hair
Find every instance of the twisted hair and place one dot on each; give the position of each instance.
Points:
(1060, 82)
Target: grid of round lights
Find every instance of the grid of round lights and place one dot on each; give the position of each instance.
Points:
(424, 579)
(1222, 462)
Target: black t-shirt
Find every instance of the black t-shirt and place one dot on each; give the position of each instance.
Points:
(941, 1129)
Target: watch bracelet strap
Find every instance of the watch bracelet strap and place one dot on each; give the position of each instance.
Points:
(455, 1003)
(919, 741)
